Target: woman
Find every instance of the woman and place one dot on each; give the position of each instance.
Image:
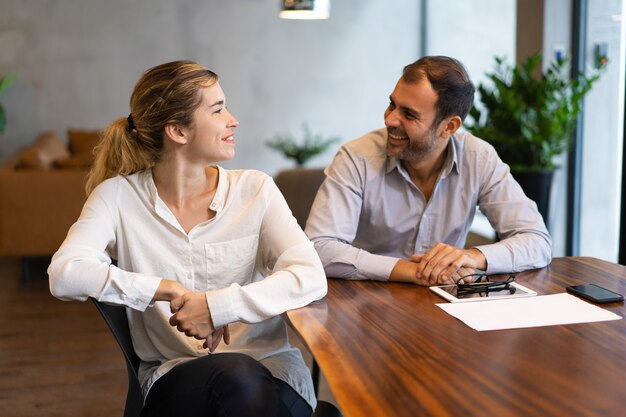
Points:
(218, 248)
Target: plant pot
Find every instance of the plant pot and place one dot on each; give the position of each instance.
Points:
(537, 186)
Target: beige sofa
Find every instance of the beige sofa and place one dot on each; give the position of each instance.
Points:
(42, 193)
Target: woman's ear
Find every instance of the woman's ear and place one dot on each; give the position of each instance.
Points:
(176, 134)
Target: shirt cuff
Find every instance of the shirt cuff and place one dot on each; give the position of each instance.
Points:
(131, 289)
(223, 305)
(376, 267)
(146, 285)
(498, 258)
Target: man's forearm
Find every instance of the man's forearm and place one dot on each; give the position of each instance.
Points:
(342, 260)
(518, 253)
(404, 271)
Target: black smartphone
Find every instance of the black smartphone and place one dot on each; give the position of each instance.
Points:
(595, 293)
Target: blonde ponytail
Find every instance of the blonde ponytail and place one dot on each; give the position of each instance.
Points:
(118, 153)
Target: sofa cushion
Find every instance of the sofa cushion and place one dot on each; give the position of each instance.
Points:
(81, 144)
(43, 152)
(80, 161)
(82, 141)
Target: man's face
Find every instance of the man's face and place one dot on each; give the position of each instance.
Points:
(410, 118)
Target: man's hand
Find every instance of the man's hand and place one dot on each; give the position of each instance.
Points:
(192, 317)
(407, 271)
(446, 264)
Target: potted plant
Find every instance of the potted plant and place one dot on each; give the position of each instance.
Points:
(5, 83)
(301, 152)
(529, 117)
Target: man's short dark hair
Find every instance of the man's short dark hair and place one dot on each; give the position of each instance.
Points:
(449, 79)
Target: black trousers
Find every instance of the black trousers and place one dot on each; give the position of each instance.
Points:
(223, 385)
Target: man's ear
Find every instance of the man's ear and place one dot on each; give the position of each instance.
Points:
(176, 134)
(449, 126)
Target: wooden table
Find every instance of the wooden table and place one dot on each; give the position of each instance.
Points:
(386, 349)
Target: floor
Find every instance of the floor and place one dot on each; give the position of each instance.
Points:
(58, 358)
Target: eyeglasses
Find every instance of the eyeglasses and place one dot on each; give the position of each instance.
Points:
(480, 283)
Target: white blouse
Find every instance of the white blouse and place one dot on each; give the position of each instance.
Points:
(252, 260)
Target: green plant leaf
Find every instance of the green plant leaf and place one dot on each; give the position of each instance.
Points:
(529, 116)
(3, 120)
(6, 81)
(301, 153)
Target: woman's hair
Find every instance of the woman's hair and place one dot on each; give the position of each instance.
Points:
(166, 94)
(449, 79)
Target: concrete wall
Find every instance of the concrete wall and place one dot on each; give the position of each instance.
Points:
(79, 59)
(472, 31)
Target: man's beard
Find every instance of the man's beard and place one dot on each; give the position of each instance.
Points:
(418, 149)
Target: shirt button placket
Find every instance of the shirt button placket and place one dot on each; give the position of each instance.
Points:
(190, 283)
(421, 237)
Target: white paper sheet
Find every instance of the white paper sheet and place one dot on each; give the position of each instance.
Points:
(544, 310)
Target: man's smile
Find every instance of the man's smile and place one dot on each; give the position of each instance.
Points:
(398, 137)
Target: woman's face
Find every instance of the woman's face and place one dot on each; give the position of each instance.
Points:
(211, 136)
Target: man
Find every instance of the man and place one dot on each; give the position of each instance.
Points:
(397, 203)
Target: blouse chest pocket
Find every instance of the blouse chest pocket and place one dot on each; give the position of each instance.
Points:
(231, 262)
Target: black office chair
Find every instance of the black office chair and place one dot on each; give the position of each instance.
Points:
(299, 187)
(115, 318)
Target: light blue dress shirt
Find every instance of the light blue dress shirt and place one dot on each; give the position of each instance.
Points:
(368, 213)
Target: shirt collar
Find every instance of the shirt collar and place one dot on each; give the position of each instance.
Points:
(452, 159)
(220, 194)
(216, 205)
(451, 163)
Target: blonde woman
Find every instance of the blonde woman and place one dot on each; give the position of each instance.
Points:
(206, 258)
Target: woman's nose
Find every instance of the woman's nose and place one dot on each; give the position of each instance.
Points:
(233, 121)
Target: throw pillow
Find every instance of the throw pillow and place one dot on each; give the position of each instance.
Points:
(43, 152)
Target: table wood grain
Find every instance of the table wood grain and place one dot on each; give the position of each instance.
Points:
(386, 349)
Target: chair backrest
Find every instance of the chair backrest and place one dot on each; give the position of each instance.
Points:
(117, 321)
(299, 187)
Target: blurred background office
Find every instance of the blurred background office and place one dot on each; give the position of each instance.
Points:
(77, 61)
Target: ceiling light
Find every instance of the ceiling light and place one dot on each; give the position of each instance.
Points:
(305, 9)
